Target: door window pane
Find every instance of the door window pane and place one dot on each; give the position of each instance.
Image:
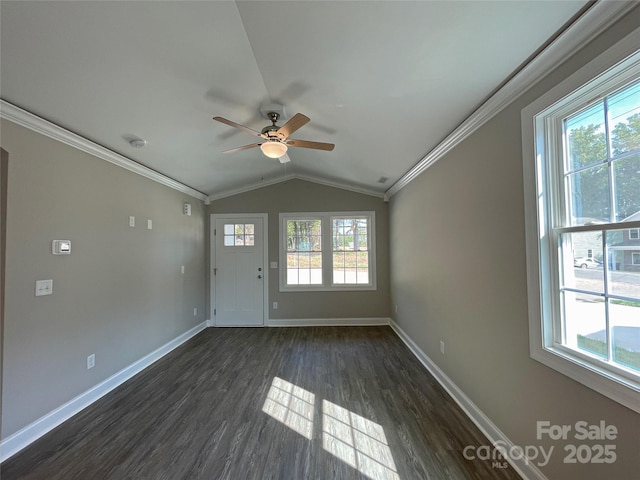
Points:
(239, 235)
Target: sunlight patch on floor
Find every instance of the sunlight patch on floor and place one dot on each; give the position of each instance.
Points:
(357, 441)
(291, 405)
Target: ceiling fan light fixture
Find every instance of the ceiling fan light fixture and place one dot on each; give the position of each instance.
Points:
(273, 149)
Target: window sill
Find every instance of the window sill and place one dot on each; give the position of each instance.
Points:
(324, 288)
(616, 387)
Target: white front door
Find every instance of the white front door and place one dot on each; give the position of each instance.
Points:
(238, 286)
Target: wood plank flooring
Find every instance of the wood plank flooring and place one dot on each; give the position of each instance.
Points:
(268, 403)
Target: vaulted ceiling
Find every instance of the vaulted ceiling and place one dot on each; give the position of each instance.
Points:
(384, 81)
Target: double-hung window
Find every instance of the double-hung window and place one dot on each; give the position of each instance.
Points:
(581, 145)
(327, 251)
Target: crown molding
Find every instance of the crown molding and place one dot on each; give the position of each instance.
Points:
(21, 117)
(343, 186)
(589, 25)
(294, 176)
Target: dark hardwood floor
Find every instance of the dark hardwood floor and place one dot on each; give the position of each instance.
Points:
(268, 403)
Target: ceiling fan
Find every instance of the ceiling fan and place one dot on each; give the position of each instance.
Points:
(276, 138)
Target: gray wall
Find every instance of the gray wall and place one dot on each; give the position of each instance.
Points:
(302, 196)
(460, 276)
(120, 293)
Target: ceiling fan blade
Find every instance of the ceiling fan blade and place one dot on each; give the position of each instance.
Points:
(245, 147)
(307, 144)
(241, 127)
(294, 123)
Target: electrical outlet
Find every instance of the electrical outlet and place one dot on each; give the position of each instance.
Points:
(132, 221)
(149, 224)
(441, 347)
(181, 268)
(275, 305)
(91, 361)
(396, 308)
(44, 287)
(195, 311)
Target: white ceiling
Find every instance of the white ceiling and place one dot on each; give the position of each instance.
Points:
(385, 81)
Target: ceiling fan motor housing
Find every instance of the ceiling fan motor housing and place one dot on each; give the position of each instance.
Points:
(272, 130)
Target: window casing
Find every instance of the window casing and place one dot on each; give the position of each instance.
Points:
(582, 194)
(324, 251)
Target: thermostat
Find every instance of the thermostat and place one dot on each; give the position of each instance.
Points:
(61, 247)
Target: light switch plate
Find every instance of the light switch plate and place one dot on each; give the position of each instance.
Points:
(274, 264)
(44, 287)
(61, 247)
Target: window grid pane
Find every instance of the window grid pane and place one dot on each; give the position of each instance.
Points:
(587, 329)
(585, 138)
(624, 120)
(626, 178)
(589, 196)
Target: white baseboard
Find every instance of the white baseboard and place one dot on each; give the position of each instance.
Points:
(490, 430)
(22, 438)
(328, 322)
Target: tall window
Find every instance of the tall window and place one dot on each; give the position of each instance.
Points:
(585, 171)
(350, 250)
(327, 251)
(600, 309)
(304, 251)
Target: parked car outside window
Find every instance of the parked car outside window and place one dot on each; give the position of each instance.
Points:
(586, 263)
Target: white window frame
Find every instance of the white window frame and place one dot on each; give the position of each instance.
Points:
(635, 258)
(636, 235)
(614, 68)
(327, 251)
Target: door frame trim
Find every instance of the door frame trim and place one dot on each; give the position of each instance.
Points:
(265, 260)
